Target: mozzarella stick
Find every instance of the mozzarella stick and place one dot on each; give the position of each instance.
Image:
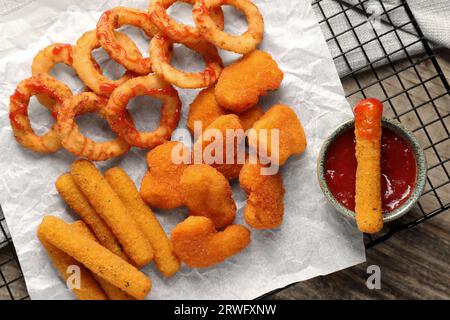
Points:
(95, 257)
(368, 130)
(165, 259)
(111, 291)
(89, 288)
(72, 195)
(112, 210)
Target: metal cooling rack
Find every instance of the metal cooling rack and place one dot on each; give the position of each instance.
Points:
(424, 116)
(413, 89)
(12, 284)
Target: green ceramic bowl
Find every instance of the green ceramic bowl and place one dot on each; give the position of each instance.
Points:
(421, 164)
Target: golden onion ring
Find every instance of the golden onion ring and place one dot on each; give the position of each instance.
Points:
(175, 31)
(18, 114)
(78, 144)
(44, 62)
(89, 71)
(123, 125)
(160, 47)
(242, 44)
(115, 18)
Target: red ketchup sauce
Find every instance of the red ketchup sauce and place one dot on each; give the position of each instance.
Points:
(398, 170)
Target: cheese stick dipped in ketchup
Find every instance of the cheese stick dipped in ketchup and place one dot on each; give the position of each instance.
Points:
(368, 206)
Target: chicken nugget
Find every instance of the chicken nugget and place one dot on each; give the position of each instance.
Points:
(95, 257)
(111, 291)
(206, 110)
(198, 244)
(243, 82)
(292, 138)
(206, 192)
(89, 288)
(72, 195)
(249, 117)
(112, 210)
(265, 197)
(122, 184)
(231, 146)
(161, 185)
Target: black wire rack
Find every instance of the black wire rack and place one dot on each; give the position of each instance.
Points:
(12, 284)
(413, 88)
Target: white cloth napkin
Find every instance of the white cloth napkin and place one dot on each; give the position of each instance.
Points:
(432, 17)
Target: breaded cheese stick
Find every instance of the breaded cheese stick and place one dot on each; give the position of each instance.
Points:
(72, 195)
(368, 129)
(111, 291)
(95, 257)
(165, 259)
(89, 288)
(109, 206)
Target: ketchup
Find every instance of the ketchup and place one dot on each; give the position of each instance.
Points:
(398, 170)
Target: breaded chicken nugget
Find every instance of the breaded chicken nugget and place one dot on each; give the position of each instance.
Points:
(161, 185)
(72, 195)
(292, 138)
(89, 287)
(207, 193)
(111, 291)
(242, 83)
(249, 117)
(122, 184)
(198, 244)
(228, 127)
(265, 197)
(206, 110)
(112, 210)
(95, 257)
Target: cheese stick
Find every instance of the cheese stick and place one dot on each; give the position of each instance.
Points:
(95, 257)
(368, 130)
(72, 195)
(89, 288)
(109, 206)
(165, 259)
(111, 291)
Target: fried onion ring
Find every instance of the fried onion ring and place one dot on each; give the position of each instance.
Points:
(89, 71)
(159, 55)
(124, 127)
(76, 143)
(115, 18)
(242, 44)
(179, 32)
(18, 114)
(44, 62)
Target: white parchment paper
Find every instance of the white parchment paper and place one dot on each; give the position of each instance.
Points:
(313, 240)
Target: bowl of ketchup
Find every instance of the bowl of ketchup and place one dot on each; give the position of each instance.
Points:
(403, 169)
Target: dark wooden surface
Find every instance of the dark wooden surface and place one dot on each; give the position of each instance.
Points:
(414, 265)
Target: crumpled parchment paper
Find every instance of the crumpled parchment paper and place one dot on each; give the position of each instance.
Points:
(313, 240)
